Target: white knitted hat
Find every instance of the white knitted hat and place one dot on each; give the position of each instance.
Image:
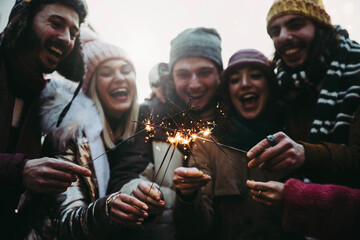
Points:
(96, 52)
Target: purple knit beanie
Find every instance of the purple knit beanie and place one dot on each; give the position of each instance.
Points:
(248, 57)
(96, 52)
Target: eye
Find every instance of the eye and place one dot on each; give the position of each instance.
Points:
(274, 32)
(183, 75)
(55, 24)
(127, 69)
(203, 73)
(256, 75)
(105, 73)
(234, 79)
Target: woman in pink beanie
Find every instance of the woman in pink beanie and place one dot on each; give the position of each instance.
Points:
(99, 118)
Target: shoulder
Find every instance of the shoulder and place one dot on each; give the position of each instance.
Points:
(81, 115)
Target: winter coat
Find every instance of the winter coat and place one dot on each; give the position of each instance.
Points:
(323, 107)
(17, 145)
(80, 210)
(321, 211)
(224, 207)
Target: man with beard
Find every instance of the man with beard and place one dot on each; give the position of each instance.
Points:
(40, 37)
(318, 69)
(192, 81)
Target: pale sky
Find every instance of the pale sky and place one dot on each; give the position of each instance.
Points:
(144, 28)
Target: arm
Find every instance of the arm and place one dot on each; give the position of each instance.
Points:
(323, 211)
(325, 161)
(314, 210)
(11, 168)
(80, 215)
(336, 163)
(194, 214)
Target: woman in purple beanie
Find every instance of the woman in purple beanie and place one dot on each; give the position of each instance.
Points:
(224, 208)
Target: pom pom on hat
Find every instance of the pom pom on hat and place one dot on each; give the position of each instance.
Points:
(96, 52)
(313, 9)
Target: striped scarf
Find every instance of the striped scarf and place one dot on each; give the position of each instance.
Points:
(340, 94)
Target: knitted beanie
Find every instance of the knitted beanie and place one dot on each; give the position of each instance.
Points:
(313, 9)
(156, 73)
(247, 57)
(196, 42)
(96, 52)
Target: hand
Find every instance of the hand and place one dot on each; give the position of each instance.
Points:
(126, 210)
(270, 195)
(189, 180)
(153, 197)
(285, 154)
(156, 91)
(50, 175)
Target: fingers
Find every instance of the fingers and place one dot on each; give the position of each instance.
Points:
(71, 167)
(188, 172)
(127, 210)
(149, 194)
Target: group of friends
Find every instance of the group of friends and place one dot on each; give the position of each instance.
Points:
(277, 152)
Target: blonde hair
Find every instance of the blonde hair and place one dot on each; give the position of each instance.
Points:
(126, 127)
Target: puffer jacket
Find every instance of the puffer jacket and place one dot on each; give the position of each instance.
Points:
(80, 210)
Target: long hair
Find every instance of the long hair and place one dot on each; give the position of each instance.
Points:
(126, 128)
(20, 23)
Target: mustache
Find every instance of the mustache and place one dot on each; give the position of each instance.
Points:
(290, 44)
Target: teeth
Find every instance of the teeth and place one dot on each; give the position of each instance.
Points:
(291, 51)
(58, 51)
(120, 90)
(248, 95)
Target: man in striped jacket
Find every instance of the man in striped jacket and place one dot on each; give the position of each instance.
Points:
(318, 70)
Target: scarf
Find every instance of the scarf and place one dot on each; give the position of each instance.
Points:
(339, 96)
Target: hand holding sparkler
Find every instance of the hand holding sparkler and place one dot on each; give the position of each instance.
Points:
(151, 195)
(189, 180)
(277, 152)
(126, 210)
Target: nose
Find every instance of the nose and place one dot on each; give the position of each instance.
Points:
(284, 34)
(65, 37)
(245, 81)
(194, 82)
(119, 77)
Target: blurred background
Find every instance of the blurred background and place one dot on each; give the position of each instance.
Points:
(145, 28)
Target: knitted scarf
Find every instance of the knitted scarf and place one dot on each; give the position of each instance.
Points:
(340, 94)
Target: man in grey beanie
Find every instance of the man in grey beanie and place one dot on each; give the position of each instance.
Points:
(193, 73)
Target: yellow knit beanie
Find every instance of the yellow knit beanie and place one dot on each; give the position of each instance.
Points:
(313, 9)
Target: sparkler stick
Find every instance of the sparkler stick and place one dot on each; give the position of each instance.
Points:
(181, 112)
(162, 162)
(167, 167)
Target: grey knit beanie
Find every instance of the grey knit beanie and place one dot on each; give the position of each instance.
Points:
(196, 42)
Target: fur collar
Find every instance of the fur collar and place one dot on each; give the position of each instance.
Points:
(81, 115)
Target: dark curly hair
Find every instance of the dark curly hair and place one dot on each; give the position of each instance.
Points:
(20, 21)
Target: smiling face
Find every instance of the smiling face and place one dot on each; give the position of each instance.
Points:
(196, 78)
(56, 27)
(249, 91)
(292, 36)
(115, 83)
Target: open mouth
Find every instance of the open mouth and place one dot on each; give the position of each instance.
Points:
(249, 99)
(291, 51)
(121, 92)
(196, 96)
(56, 52)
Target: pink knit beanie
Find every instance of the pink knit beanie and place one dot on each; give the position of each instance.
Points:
(96, 52)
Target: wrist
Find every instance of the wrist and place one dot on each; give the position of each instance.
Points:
(109, 201)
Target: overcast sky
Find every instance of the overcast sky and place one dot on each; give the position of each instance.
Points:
(144, 28)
